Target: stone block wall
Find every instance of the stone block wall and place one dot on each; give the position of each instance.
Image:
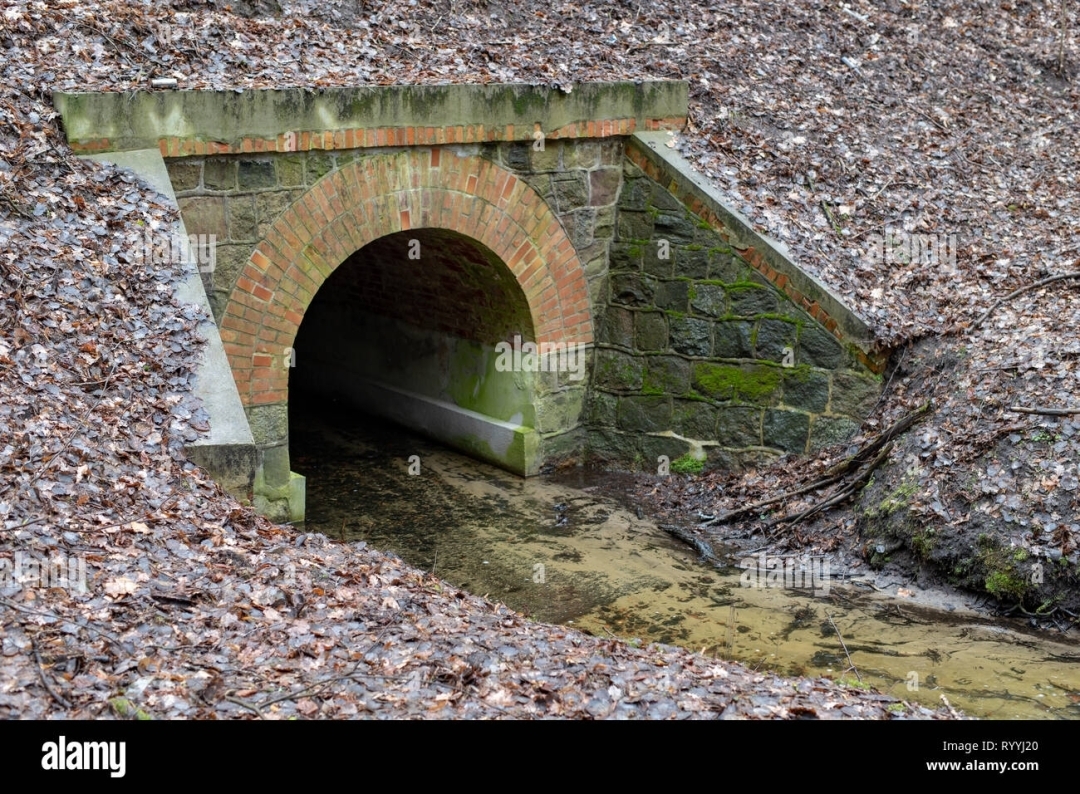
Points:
(697, 352)
(236, 198)
(580, 180)
(700, 354)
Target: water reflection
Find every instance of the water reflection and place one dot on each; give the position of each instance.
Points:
(562, 550)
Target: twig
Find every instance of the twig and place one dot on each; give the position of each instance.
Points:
(318, 685)
(44, 679)
(833, 474)
(23, 524)
(888, 383)
(861, 17)
(1021, 291)
(955, 714)
(852, 64)
(899, 427)
(702, 547)
(147, 517)
(842, 495)
(930, 118)
(87, 626)
(1043, 411)
(828, 214)
(755, 507)
(851, 664)
(1063, 34)
(881, 189)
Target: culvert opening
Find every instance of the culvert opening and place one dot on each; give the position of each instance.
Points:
(409, 329)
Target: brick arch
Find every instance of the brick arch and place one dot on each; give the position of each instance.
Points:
(379, 195)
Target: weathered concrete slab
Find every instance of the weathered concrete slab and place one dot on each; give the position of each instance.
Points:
(143, 119)
(510, 446)
(228, 451)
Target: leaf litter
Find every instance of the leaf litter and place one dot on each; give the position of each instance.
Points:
(824, 125)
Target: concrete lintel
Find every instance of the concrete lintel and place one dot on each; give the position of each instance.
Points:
(680, 178)
(508, 445)
(227, 451)
(139, 120)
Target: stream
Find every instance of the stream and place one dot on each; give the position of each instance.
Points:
(568, 549)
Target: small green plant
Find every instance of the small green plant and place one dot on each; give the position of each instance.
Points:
(852, 682)
(127, 710)
(687, 465)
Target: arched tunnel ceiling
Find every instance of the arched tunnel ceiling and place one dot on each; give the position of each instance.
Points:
(433, 279)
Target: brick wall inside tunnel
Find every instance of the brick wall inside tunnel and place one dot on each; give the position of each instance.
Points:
(422, 312)
(432, 279)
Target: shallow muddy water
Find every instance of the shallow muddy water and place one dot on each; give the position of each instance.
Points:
(564, 550)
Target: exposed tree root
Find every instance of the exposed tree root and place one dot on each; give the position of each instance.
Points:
(834, 474)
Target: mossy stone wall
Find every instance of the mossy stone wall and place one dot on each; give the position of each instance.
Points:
(698, 354)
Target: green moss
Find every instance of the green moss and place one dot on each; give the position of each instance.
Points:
(624, 373)
(693, 247)
(787, 318)
(1002, 579)
(896, 500)
(687, 464)
(800, 373)
(750, 384)
(922, 542)
(654, 382)
(1004, 584)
